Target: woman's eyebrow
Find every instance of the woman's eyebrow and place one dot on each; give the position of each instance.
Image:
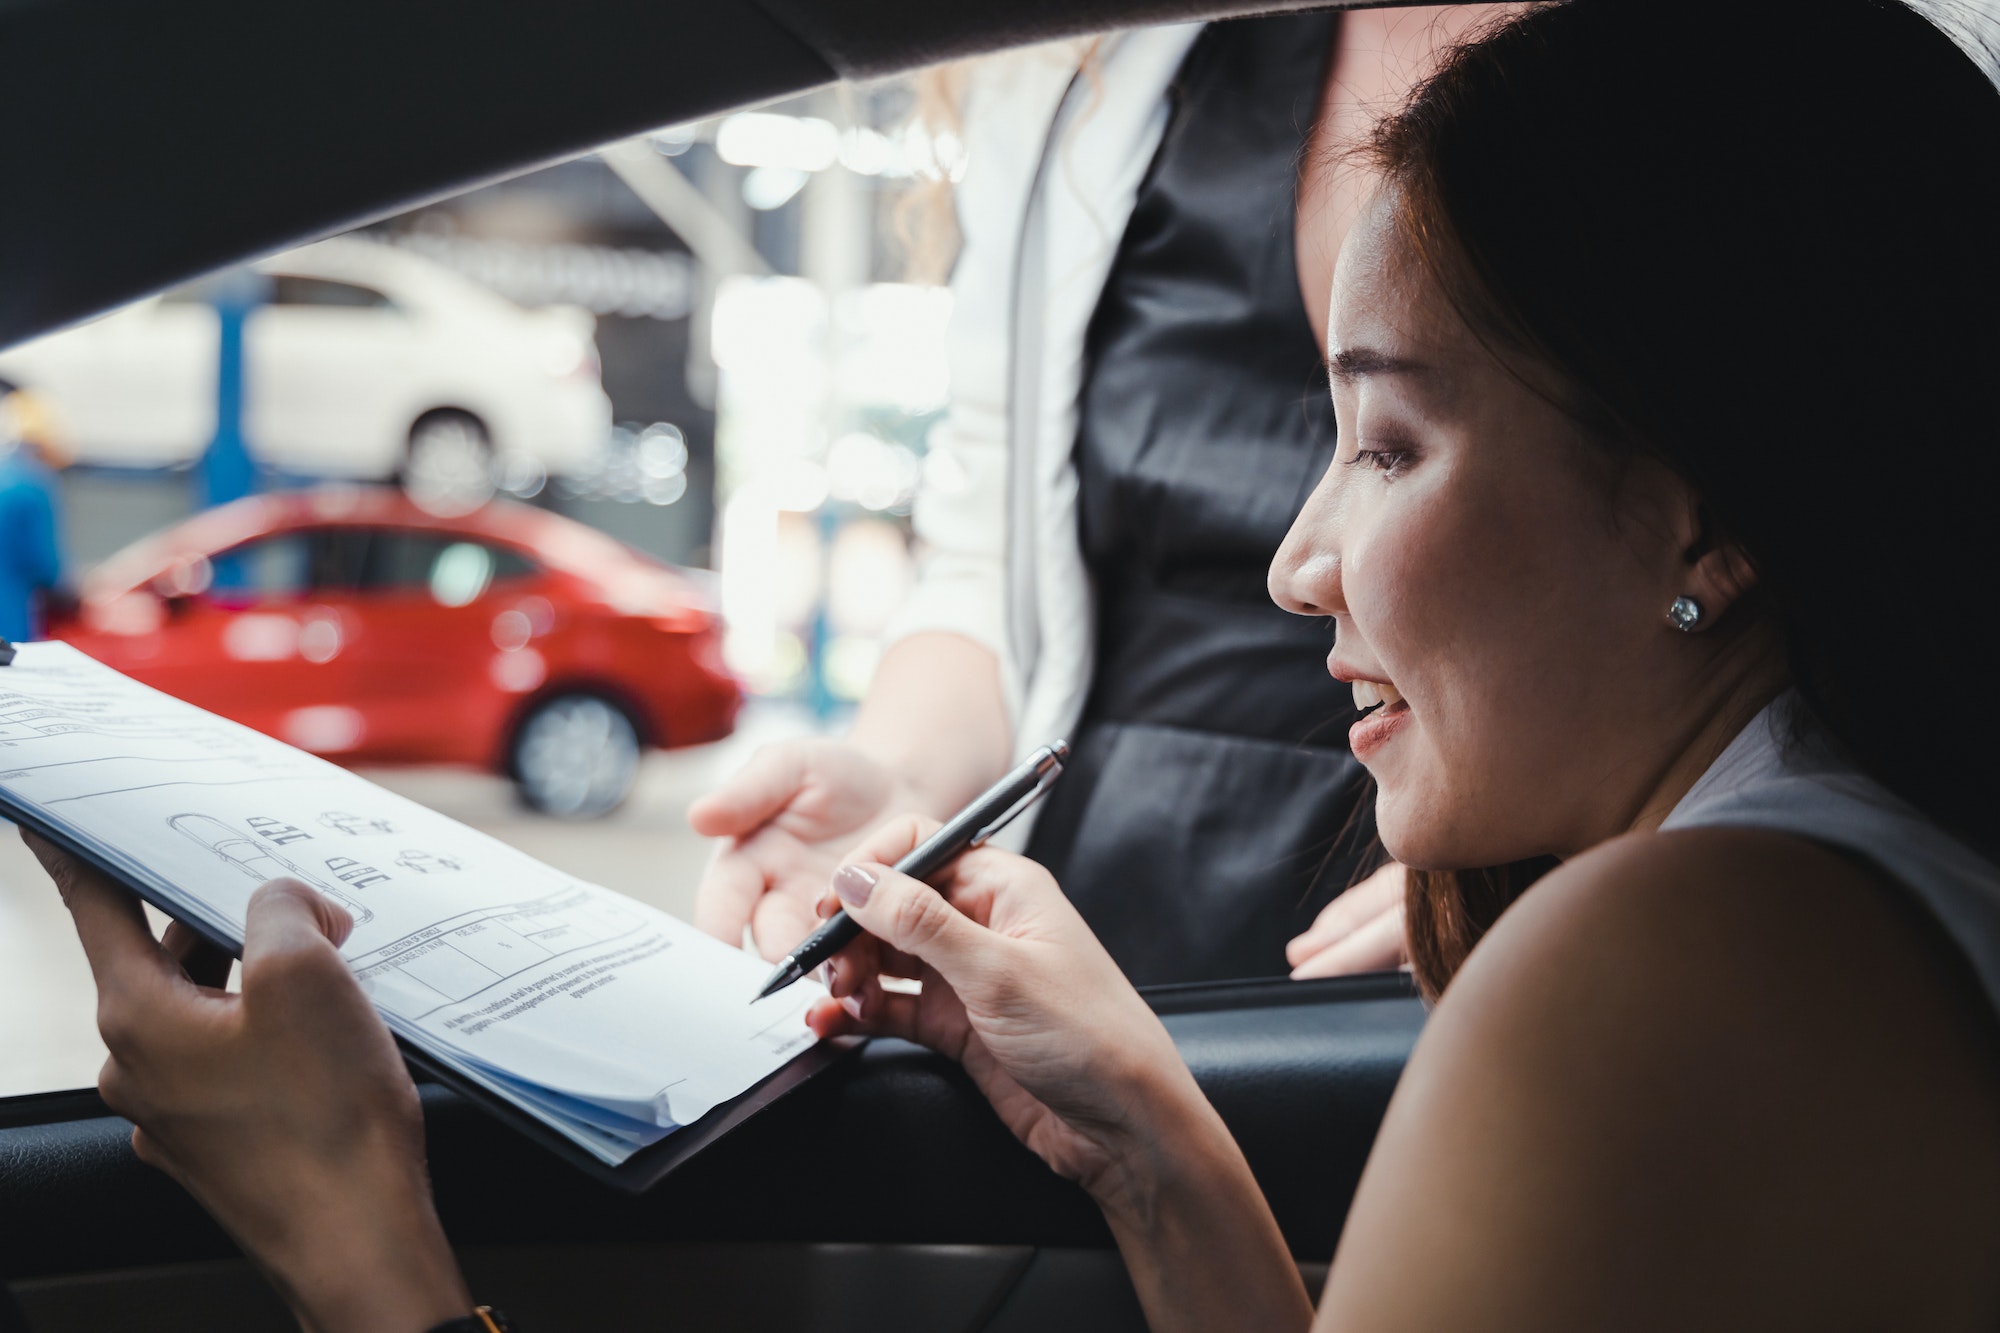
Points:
(1349, 364)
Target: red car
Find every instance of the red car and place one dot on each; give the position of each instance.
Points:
(352, 624)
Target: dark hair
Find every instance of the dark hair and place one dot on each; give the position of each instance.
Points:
(1760, 242)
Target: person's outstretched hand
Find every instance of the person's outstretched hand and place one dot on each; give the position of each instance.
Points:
(1360, 931)
(285, 1110)
(1018, 991)
(787, 815)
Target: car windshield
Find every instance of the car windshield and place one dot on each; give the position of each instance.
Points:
(507, 438)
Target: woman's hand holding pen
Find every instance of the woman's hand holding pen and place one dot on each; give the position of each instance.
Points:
(285, 1110)
(1018, 991)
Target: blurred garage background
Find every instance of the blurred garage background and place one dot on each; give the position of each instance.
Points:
(719, 345)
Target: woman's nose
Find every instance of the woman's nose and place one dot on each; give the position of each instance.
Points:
(1305, 574)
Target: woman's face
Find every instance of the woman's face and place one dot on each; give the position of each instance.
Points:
(1494, 576)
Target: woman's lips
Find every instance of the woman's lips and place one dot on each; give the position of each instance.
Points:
(1382, 706)
(1376, 727)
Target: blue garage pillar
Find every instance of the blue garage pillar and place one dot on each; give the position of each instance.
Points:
(227, 471)
(819, 635)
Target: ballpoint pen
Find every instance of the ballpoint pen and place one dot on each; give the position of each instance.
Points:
(960, 834)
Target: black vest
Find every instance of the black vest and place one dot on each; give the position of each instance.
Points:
(1200, 824)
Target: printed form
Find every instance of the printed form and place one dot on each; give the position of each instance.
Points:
(605, 1018)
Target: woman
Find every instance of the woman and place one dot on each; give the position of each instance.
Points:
(1134, 421)
(1663, 421)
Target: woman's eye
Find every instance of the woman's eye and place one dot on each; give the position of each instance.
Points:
(1381, 458)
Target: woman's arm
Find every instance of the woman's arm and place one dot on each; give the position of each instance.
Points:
(935, 717)
(1717, 1079)
(1195, 1232)
(1077, 1066)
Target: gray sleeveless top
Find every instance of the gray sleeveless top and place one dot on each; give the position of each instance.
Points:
(1777, 774)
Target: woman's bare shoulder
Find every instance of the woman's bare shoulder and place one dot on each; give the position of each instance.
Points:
(1753, 906)
(1715, 1078)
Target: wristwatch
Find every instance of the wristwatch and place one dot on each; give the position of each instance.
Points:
(484, 1319)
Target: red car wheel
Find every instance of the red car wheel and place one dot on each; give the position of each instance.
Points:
(576, 756)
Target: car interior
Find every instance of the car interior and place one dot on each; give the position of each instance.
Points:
(155, 143)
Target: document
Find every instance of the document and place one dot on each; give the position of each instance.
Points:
(606, 1019)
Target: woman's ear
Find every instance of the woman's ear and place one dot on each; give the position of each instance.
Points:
(1719, 572)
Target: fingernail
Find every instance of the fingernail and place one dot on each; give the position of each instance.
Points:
(854, 884)
(852, 1004)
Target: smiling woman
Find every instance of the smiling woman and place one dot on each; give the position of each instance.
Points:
(1501, 580)
(1672, 338)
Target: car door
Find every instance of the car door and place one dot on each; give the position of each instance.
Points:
(423, 666)
(265, 641)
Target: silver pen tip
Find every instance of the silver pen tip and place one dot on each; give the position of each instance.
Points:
(783, 975)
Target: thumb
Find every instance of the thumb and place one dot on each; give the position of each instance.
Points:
(287, 920)
(909, 915)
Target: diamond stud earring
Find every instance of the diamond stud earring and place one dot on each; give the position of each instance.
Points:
(1684, 614)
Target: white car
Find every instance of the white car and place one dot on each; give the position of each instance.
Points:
(364, 362)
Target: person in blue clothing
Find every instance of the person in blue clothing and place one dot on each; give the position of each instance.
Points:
(30, 535)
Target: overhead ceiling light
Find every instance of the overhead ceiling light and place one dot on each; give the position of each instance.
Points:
(765, 139)
(766, 188)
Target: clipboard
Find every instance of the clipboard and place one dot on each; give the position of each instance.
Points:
(638, 1173)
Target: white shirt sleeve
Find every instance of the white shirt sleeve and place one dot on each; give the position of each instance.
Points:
(960, 512)
(962, 515)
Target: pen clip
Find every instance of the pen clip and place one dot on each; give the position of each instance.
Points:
(1028, 798)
